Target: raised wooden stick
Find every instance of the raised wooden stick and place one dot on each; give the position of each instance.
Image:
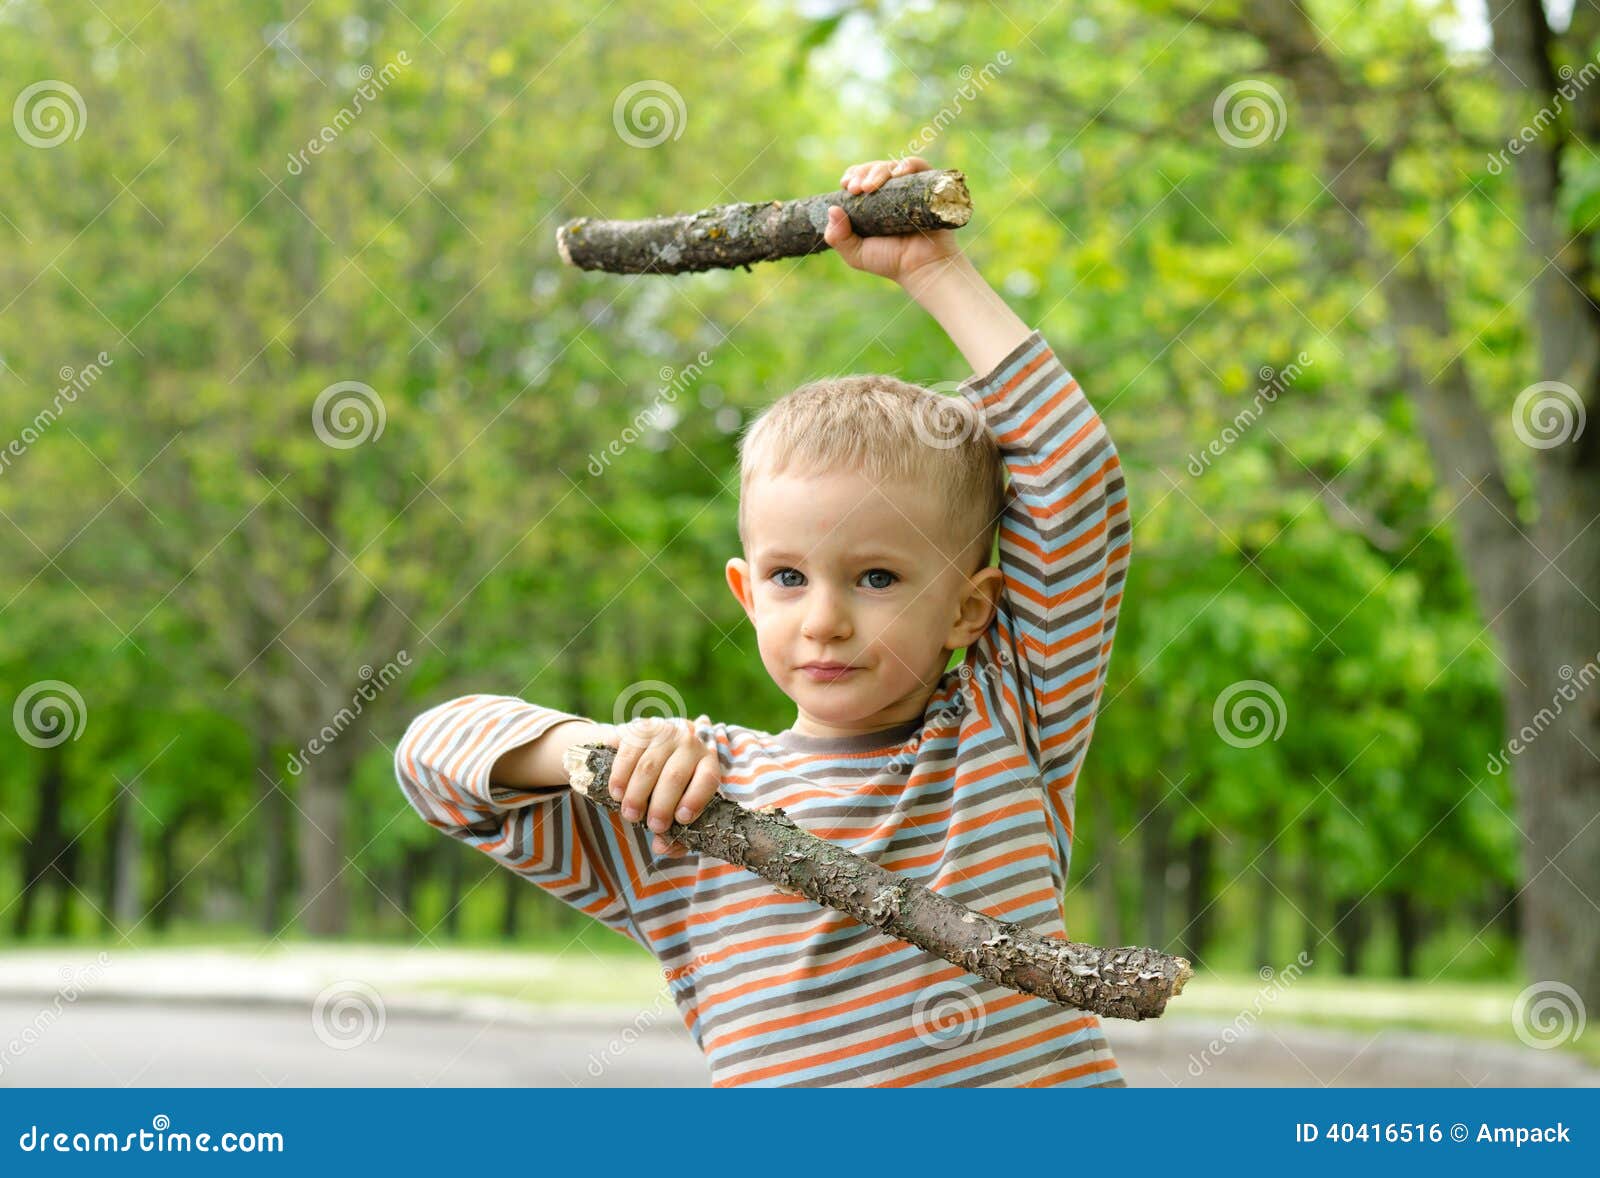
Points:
(726, 236)
(1128, 982)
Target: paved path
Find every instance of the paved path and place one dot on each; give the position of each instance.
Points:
(196, 1019)
(159, 1044)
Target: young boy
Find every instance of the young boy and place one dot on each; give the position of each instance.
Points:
(868, 510)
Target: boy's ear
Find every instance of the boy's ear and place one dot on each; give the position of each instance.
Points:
(978, 604)
(738, 573)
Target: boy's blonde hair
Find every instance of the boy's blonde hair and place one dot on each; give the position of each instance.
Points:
(888, 430)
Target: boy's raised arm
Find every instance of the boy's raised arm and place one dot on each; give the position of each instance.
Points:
(972, 313)
(1065, 533)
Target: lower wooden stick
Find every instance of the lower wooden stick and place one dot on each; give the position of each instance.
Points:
(1127, 982)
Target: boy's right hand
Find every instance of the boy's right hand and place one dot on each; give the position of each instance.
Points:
(663, 773)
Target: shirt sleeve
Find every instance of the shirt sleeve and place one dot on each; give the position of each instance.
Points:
(1065, 540)
(584, 855)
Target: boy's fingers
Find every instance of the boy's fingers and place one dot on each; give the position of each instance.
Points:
(632, 741)
(642, 781)
(702, 788)
(622, 768)
(669, 788)
(841, 236)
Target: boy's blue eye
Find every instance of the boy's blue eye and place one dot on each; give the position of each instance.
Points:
(892, 577)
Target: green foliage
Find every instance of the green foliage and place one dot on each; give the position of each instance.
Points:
(184, 548)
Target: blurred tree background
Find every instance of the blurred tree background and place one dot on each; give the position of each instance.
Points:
(301, 405)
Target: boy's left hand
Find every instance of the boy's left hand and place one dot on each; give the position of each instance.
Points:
(896, 258)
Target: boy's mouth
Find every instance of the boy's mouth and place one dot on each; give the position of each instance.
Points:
(827, 672)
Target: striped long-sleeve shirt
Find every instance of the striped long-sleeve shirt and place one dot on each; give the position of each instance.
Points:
(974, 800)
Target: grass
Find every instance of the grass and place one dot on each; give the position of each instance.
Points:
(1480, 1010)
(574, 981)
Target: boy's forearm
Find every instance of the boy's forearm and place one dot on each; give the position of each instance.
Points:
(537, 764)
(972, 313)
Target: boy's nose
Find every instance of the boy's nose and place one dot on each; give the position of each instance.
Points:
(825, 619)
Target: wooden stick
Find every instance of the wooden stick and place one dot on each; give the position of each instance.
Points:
(1128, 982)
(726, 236)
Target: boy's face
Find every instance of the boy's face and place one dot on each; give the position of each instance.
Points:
(843, 571)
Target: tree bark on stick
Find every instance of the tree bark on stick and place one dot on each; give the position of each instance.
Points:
(726, 236)
(1127, 982)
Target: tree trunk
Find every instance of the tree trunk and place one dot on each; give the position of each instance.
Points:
(1351, 926)
(273, 850)
(168, 878)
(1198, 898)
(514, 886)
(41, 857)
(455, 863)
(323, 896)
(1311, 891)
(66, 894)
(108, 864)
(1534, 588)
(413, 866)
(1107, 903)
(1407, 932)
(1155, 856)
(127, 904)
(1266, 898)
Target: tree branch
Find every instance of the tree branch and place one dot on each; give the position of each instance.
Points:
(726, 236)
(1127, 982)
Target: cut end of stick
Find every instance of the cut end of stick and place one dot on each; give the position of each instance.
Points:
(575, 760)
(951, 200)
